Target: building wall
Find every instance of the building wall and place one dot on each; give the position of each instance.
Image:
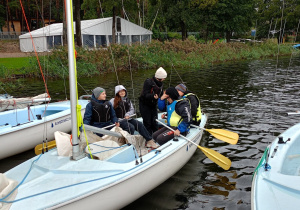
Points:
(16, 24)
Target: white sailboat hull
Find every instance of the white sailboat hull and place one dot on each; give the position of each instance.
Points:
(127, 190)
(278, 187)
(16, 138)
(58, 183)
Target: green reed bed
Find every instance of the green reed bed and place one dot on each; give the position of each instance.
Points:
(180, 54)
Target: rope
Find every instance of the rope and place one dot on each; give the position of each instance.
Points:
(26, 175)
(262, 161)
(108, 148)
(154, 20)
(67, 186)
(270, 28)
(23, 12)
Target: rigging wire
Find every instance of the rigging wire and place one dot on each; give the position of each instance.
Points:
(290, 62)
(276, 68)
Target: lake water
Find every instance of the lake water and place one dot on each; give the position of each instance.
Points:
(248, 97)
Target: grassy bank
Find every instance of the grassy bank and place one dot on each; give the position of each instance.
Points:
(187, 54)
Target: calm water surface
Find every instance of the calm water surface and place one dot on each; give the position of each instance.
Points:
(250, 98)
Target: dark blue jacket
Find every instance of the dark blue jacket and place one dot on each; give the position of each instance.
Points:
(89, 111)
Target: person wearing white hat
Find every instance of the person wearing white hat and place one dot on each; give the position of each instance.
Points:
(152, 90)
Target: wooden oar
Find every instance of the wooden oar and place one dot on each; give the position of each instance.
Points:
(214, 156)
(223, 135)
(39, 148)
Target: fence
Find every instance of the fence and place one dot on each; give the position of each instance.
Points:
(10, 35)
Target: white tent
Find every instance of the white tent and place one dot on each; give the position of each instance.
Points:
(94, 33)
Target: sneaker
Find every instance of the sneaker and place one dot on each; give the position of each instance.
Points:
(151, 143)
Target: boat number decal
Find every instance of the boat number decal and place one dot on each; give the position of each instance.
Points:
(62, 121)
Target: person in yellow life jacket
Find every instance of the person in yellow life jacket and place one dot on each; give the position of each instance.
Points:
(194, 102)
(178, 116)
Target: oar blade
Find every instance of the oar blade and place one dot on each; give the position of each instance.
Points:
(216, 157)
(224, 135)
(39, 148)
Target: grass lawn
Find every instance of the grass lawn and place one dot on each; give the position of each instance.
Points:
(15, 63)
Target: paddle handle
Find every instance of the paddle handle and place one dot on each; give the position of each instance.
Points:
(119, 121)
(293, 113)
(180, 134)
(195, 126)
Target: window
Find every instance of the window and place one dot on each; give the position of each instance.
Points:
(50, 42)
(88, 40)
(57, 41)
(101, 41)
(135, 38)
(124, 39)
(145, 38)
(118, 25)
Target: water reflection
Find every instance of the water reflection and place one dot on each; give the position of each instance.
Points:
(236, 96)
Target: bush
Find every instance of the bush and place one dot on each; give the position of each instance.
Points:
(184, 54)
(192, 38)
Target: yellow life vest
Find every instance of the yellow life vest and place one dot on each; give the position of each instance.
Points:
(199, 114)
(174, 119)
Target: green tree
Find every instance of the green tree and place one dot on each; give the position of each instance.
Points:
(233, 16)
(2, 15)
(180, 15)
(275, 15)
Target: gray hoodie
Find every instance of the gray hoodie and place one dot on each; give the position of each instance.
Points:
(118, 88)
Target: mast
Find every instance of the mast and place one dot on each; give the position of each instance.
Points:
(76, 153)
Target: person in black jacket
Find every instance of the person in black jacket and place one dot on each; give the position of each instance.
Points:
(100, 112)
(152, 90)
(194, 103)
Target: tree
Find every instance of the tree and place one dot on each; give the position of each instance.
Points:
(78, 22)
(180, 15)
(276, 15)
(233, 16)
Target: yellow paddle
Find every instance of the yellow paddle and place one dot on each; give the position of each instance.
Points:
(39, 148)
(214, 156)
(223, 135)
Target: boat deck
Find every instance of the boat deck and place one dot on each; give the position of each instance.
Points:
(280, 184)
(65, 180)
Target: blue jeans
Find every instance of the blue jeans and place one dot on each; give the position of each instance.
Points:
(133, 125)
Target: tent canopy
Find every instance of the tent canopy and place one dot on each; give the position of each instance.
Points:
(91, 30)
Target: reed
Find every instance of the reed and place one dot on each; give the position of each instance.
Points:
(181, 54)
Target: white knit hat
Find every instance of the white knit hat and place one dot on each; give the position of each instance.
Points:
(161, 73)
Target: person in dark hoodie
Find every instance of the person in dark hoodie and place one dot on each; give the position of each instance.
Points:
(194, 103)
(124, 109)
(99, 112)
(178, 116)
(152, 90)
